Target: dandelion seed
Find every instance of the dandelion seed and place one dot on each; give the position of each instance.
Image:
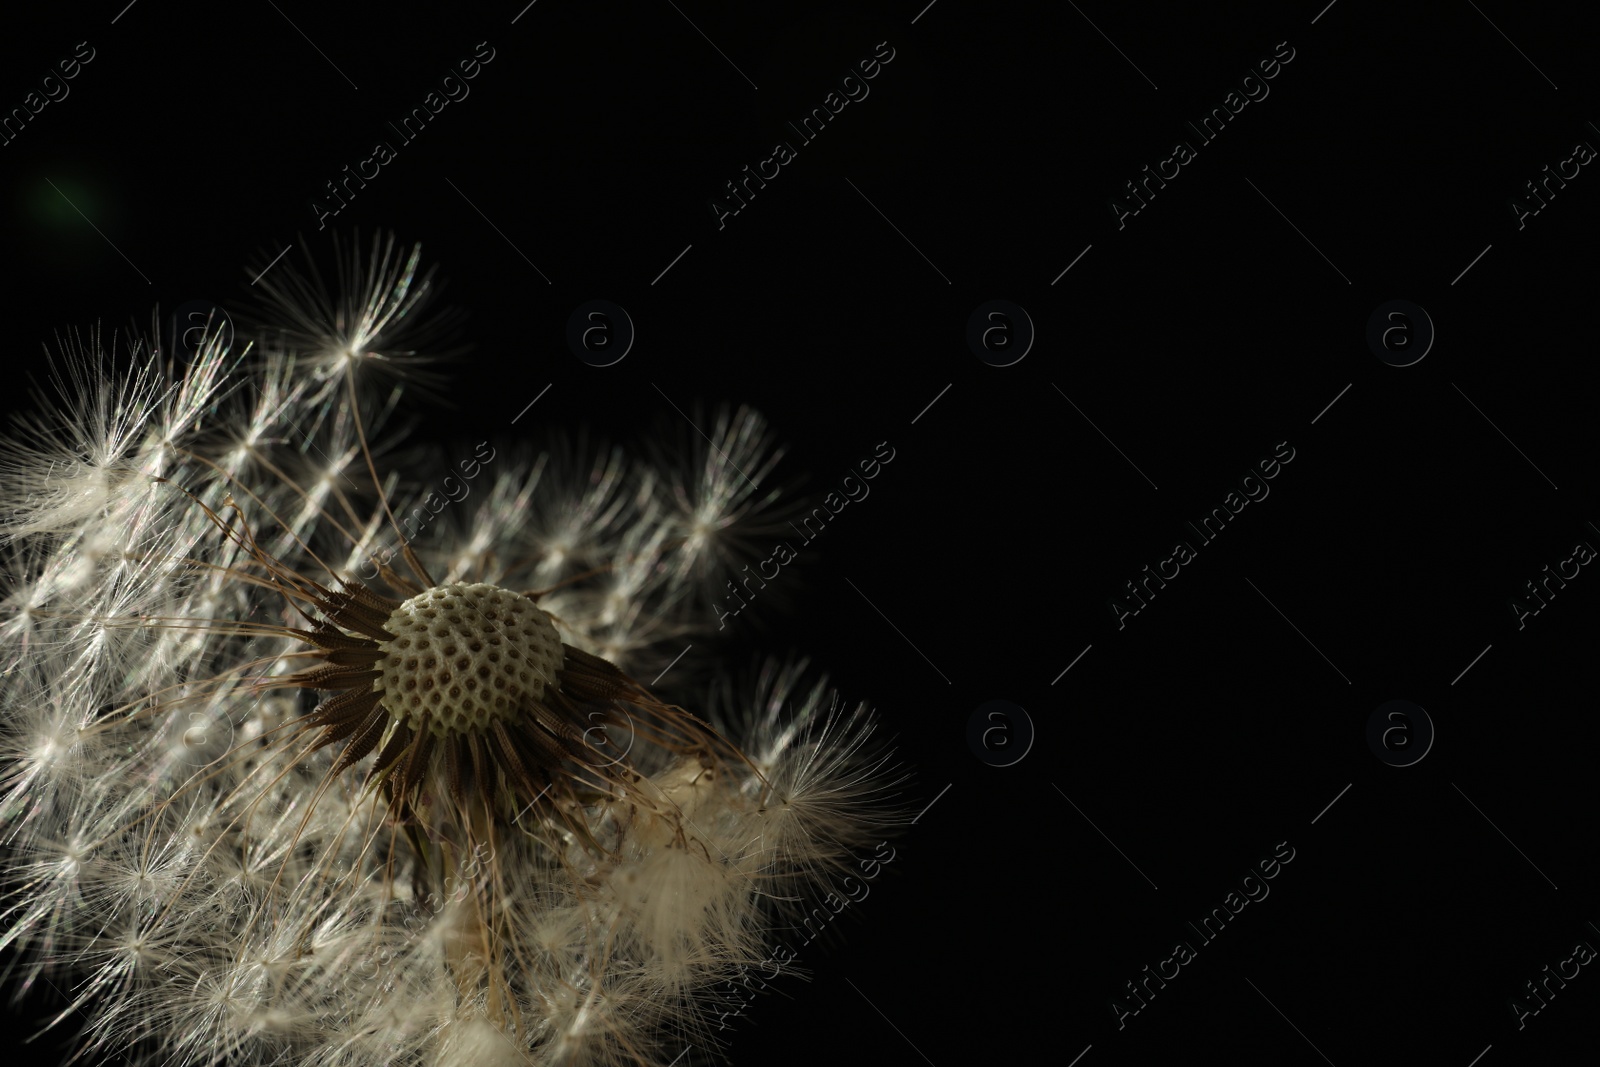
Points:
(375, 320)
(261, 810)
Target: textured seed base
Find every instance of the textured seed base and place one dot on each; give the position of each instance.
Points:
(465, 655)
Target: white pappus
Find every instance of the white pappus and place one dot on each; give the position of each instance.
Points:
(288, 779)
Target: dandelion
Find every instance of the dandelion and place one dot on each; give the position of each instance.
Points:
(305, 761)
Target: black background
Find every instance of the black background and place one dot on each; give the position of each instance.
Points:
(1221, 320)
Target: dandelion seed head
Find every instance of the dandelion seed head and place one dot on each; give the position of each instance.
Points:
(465, 655)
(269, 805)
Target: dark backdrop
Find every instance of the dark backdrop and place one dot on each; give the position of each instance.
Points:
(1174, 349)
